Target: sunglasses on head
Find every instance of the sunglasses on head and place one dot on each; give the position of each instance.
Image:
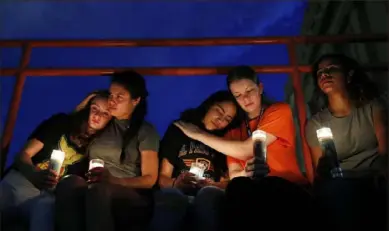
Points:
(330, 70)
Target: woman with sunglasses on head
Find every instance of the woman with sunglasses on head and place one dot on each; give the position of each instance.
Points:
(281, 167)
(183, 196)
(117, 196)
(357, 120)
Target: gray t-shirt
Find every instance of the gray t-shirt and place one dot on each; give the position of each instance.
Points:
(354, 136)
(108, 147)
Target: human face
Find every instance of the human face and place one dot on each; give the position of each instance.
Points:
(121, 104)
(219, 116)
(330, 77)
(247, 94)
(99, 114)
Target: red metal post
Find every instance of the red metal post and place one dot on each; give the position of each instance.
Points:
(14, 106)
(300, 103)
(161, 71)
(199, 41)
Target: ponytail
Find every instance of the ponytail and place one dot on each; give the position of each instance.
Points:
(135, 124)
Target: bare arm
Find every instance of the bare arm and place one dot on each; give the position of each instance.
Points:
(316, 153)
(380, 129)
(165, 174)
(222, 183)
(23, 160)
(235, 170)
(149, 160)
(275, 122)
(241, 150)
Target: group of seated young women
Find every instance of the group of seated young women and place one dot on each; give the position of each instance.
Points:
(146, 184)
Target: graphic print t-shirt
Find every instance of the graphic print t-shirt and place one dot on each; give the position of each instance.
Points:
(181, 152)
(54, 134)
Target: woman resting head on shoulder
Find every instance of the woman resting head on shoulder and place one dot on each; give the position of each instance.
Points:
(275, 119)
(178, 152)
(31, 173)
(353, 113)
(179, 184)
(129, 149)
(71, 133)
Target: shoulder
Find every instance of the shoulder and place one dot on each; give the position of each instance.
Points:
(279, 108)
(317, 119)
(56, 124)
(376, 105)
(58, 118)
(147, 128)
(173, 129)
(232, 133)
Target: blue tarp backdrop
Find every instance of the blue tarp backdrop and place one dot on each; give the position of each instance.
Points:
(44, 96)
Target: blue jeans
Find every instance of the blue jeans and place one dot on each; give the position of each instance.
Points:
(172, 207)
(19, 196)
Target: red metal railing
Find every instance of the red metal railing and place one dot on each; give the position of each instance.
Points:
(294, 69)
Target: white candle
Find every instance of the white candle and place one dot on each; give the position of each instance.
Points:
(324, 134)
(56, 160)
(259, 135)
(197, 169)
(96, 163)
(260, 149)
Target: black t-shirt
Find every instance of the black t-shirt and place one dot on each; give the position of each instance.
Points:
(181, 151)
(54, 134)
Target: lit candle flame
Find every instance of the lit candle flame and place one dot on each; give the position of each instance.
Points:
(324, 134)
(259, 135)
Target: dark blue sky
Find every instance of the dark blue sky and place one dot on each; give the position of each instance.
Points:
(44, 96)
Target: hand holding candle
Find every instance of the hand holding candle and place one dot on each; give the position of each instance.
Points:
(56, 160)
(97, 172)
(48, 178)
(96, 163)
(326, 140)
(197, 169)
(324, 134)
(259, 138)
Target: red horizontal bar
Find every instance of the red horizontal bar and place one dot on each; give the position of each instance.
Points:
(198, 41)
(162, 71)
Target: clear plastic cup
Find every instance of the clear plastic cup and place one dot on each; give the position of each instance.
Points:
(96, 163)
(197, 169)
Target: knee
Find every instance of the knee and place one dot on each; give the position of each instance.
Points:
(238, 186)
(172, 198)
(70, 183)
(98, 191)
(43, 206)
(209, 195)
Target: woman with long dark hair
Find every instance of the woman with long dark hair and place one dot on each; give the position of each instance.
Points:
(119, 195)
(23, 187)
(180, 189)
(357, 120)
(276, 187)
